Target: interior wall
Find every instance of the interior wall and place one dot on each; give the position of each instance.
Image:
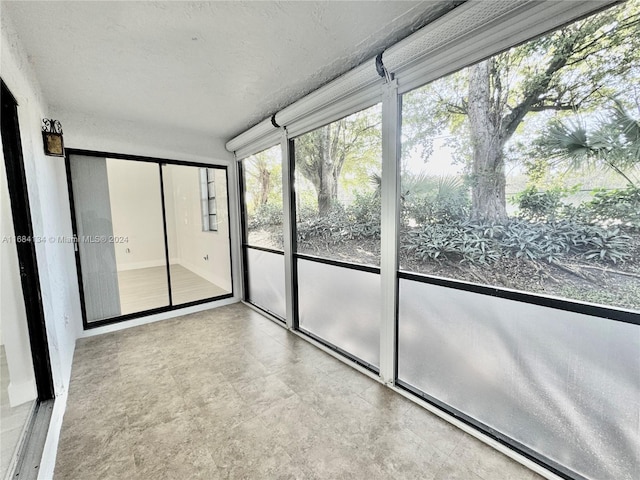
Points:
(136, 214)
(204, 253)
(49, 201)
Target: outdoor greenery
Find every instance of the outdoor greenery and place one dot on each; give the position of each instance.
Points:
(521, 171)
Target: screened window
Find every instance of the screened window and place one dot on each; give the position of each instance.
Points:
(522, 171)
(337, 184)
(263, 198)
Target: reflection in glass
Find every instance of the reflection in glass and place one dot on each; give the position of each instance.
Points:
(263, 198)
(563, 384)
(337, 184)
(197, 232)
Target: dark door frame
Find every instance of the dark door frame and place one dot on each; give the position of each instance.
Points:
(23, 230)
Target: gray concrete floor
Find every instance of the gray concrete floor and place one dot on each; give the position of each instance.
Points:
(227, 394)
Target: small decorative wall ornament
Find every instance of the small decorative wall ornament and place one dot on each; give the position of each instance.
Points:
(52, 137)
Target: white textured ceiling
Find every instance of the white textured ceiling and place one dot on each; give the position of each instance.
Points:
(211, 67)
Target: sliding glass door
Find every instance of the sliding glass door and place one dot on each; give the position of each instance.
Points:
(197, 232)
(149, 235)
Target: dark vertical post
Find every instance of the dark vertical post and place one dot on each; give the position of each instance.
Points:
(23, 229)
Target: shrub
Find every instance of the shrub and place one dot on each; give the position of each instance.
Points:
(358, 221)
(428, 199)
(534, 204)
(486, 243)
(619, 207)
(266, 215)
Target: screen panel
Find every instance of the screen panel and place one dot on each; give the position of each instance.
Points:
(342, 306)
(563, 384)
(266, 281)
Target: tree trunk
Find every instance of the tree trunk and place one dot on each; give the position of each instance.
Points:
(265, 180)
(327, 188)
(488, 201)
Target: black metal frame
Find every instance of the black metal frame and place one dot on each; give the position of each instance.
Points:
(326, 261)
(245, 245)
(26, 251)
(160, 161)
(604, 312)
(518, 447)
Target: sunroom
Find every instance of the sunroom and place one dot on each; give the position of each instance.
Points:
(395, 240)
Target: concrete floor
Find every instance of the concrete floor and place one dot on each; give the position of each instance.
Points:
(227, 394)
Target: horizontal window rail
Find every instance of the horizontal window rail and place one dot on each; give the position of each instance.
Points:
(338, 263)
(263, 249)
(619, 315)
(342, 352)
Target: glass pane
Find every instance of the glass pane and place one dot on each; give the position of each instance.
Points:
(266, 281)
(200, 260)
(564, 384)
(136, 210)
(120, 236)
(337, 184)
(263, 198)
(522, 171)
(341, 306)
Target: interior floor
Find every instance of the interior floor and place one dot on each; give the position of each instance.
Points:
(146, 288)
(227, 393)
(12, 420)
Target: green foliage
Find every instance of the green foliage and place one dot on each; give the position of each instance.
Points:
(542, 205)
(478, 243)
(612, 142)
(268, 214)
(360, 220)
(429, 199)
(620, 207)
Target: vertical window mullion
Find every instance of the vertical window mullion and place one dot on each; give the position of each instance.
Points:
(288, 225)
(390, 222)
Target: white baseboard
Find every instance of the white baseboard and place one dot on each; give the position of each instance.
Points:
(158, 317)
(123, 267)
(22, 392)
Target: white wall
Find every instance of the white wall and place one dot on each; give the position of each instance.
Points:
(205, 253)
(136, 213)
(13, 318)
(47, 186)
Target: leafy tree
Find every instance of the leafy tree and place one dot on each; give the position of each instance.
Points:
(263, 178)
(613, 141)
(322, 154)
(571, 69)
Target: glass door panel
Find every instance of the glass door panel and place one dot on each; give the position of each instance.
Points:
(195, 200)
(119, 225)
